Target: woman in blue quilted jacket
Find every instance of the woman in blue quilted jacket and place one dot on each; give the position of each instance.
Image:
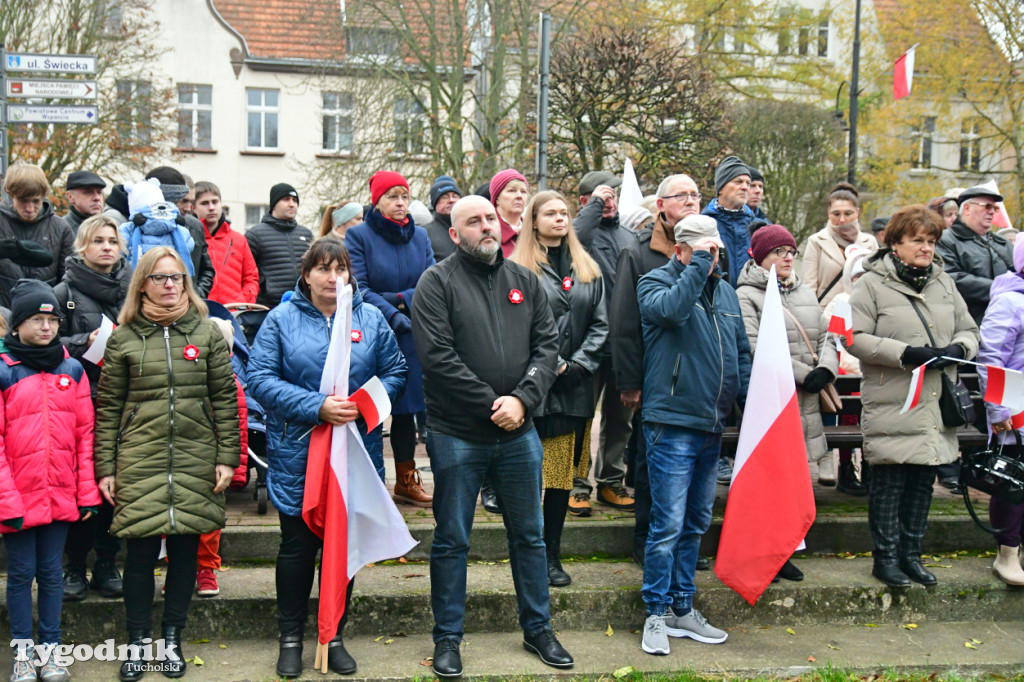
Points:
(285, 367)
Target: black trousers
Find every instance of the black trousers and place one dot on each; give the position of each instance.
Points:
(140, 585)
(84, 536)
(403, 437)
(296, 562)
(899, 498)
(641, 488)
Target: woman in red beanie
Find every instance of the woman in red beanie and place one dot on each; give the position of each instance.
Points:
(389, 253)
(509, 191)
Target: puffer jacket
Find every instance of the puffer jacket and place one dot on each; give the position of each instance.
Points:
(884, 324)
(696, 352)
(802, 303)
(163, 423)
(46, 445)
(236, 278)
(277, 247)
(732, 227)
(974, 262)
(581, 317)
(440, 239)
(823, 262)
(603, 238)
(1002, 337)
(387, 261)
(49, 231)
(284, 372)
(84, 297)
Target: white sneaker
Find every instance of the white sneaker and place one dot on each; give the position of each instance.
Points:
(655, 638)
(694, 626)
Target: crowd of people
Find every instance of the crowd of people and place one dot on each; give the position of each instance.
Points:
(499, 329)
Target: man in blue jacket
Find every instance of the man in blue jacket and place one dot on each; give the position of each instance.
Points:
(729, 209)
(696, 365)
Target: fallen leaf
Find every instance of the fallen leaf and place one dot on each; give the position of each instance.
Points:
(623, 672)
(976, 641)
(223, 646)
(811, 658)
(195, 660)
(870, 625)
(413, 575)
(224, 568)
(427, 662)
(909, 626)
(970, 646)
(199, 641)
(609, 631)
(389, 641)
(791, 631)
(621, 570)
(402, 560)
(377, 639)
(834, 648)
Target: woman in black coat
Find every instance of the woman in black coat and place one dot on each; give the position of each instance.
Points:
(572, 281)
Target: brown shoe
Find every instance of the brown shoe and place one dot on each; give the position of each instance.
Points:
(579, 504)
(616, 497)
(408, 487)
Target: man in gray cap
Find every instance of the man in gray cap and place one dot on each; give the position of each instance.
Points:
(730, 211)
(696, 366)
(598, 229)
(84, 191)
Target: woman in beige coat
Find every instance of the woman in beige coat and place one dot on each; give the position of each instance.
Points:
(826, 249)
(901, 282)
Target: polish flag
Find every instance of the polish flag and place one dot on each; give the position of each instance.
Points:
(344, 502)
(841, 323)
(1017, 421)
(770, 506)
(914, 396)
(1002, 218)
(903, 74)
(1004, 387)
(630, 195)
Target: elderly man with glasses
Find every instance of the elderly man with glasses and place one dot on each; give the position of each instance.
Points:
(972, 254)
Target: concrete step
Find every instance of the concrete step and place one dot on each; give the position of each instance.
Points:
(748, 653)
(391, 599)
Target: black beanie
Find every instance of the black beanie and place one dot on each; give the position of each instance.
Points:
(755, 174)
(280, 191)
(30, 297)
(730, 169)
(442, 185)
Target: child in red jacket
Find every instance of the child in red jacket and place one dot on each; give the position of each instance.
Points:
(46, 468)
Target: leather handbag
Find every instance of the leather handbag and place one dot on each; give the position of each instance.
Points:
(955, 404)
(1000, 473)
(828, 398)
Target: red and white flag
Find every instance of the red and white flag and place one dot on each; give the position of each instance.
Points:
(1004, 387)
(345, 503)
(1002, 218)
(770, 506)
(841, 323)
(916, 382)
(903, 74)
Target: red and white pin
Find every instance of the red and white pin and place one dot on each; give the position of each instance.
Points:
(567, 283)
(191, 352)
(515, 296)
(357, 336)
(63, 382)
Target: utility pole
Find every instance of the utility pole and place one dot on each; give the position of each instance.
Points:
(542, 102)
(851, 171)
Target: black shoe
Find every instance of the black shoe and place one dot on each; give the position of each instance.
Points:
(74, 584)
(791, 572)
(916, 571)
(174, 666)
(547, 647)
(289, 655)
(489, 500)
(447, 659)
(703, 563)
(338, 659)
(891, 575)
(848, 481)
(639, 555)
(106, 580)
(557, 577)
(952, 484)
(133, 669)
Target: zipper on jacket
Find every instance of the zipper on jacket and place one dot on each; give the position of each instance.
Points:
(675, 374)
(497, 324)
(208, 413)
(46, 412)
(170, 435)
(721, 356)
(131, 417)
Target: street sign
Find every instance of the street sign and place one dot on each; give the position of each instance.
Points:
(61, 63)
(21, 113)
(53, 89)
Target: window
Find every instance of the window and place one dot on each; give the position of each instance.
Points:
(410, 127)
(370, 42)
(254, 213)
(261, 110)
(785, 40)
(195, 115)
(922, 139)
(337, 121)
(970, 146)
(813, 40)
(112, 19)
(739, 45)
(823, 39)
(803, 41)
(134, 115)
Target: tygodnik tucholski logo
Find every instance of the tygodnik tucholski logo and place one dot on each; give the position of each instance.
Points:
(153, 655)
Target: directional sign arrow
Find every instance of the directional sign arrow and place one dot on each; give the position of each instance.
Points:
(21, 113)
(51, 89)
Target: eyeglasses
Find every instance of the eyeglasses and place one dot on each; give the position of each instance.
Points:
(685, 196)
(161, 279)
(784, 251)
(38, 321)
(985, 206)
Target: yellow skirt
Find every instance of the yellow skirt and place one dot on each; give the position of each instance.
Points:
(558, 469)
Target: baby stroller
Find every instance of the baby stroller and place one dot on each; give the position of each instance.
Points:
(256, 424)
(250, 317)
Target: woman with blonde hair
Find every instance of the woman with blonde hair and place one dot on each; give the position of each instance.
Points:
(339, 217)
(571, 279)
(167, 441)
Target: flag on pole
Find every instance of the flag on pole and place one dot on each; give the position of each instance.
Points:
(841, 323)
(903, 74)
(1004, 387)
(630, 195)
(345, 503)
(770, 506)
(914, 396)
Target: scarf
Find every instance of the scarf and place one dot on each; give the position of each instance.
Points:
(915, 277)
(161, 316)
(844, 234)
(40, 358)
(559, 259)
(392, 231)
(785, 285)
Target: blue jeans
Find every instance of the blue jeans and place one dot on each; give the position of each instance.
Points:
(459, 467)
(682, 465)
(36, 554)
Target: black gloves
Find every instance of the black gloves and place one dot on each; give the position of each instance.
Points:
(25, 252)
(817, 379)
(401, 324)
(953, 350)
(573, 376)
(915, 356)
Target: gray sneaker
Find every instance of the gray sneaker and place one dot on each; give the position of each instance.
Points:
(53, 672)
(25, 670)
(655, 637)
(694, 626)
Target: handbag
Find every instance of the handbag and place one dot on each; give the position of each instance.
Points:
(955, 404)
(1000, 473)
(828, 398)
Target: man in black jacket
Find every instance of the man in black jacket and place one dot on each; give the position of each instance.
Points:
(84, 192)
(277, 245)
(488, 344)
(443, 195)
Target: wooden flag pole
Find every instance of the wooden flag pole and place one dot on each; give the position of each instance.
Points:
(321, 658)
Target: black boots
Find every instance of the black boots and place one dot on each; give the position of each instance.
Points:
(338, 659)
(848, 481)
(289, 657)
(174, 665)
(556, 576)
(133, 669)
(106, 580)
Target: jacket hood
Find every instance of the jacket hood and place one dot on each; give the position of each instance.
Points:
(1008, 282)
(754, 275)
(278, 224)
(7, 209)
(118, 199)
(110, 289)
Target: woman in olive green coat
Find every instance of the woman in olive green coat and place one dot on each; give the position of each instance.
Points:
(167, 441)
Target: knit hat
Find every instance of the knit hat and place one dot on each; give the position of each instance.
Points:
(502, 178)
(767, 239)
(142, 194)
(755, 174)
(382, 181)
(280, 191)
(633, 218)
(442, 185)
(730, 168)
(345, 213)
(694, 228)
(854, 265)
(30, 297)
